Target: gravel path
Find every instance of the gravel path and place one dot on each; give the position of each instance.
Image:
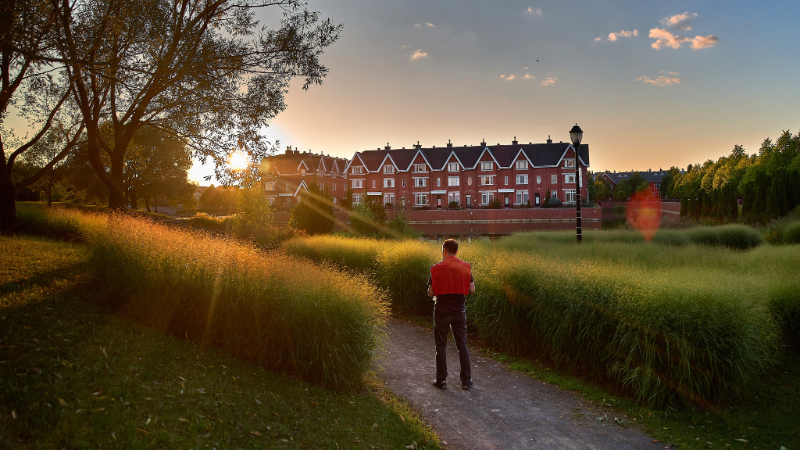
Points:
(503, 410)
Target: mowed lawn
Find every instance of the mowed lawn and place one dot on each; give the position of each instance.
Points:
(73, 375)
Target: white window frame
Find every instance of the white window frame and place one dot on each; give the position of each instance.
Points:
(403, 182)
(357, 184)
(357, 198)
(452, 167)
(420, 182)
(454, 181)
(569, 163)
(554, 193)
(438, 182)
(553, 179)
(454, 197)
(487, 166)
(388, 169)
(374, 184)
(423, 197)
(270, 186)
(569, 195)
(487, 180)
(357, 170)
(569, 178)
(523, 197)
(522, 179)
(486, 197)
(420, 168)
(538, 179)
(522, 165)
(388, 182)
(388, 198)
(288, 186)
(506, 180)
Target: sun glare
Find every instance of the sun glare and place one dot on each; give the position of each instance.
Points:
(238, 161)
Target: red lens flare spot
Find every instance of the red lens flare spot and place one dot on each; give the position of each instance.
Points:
(644, 214)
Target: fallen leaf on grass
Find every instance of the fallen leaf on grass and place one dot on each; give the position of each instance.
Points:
(412, 445)
(142, 430)
(273, 412)
(182, 419)
(260, 402)
(374, 425)
(62, 402)
(403, 419)
(113, 436)
(78, 411)
(256, 433)
(742, 440)
(148, 422)
(104, 352)
(14, 414)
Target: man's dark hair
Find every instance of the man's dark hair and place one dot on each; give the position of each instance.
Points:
(451, 246)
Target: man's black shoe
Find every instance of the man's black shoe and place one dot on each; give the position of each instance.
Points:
(440, 384)
(466, 386)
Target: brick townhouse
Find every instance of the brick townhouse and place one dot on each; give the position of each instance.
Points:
(284, 177)
(471, 176)
(653, 179)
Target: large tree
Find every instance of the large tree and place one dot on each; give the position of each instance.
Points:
(199, 70)
(314, 212)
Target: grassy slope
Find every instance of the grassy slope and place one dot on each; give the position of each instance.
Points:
(73, 375)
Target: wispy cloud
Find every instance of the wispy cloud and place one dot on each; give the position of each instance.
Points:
(598, 39)
(416, 25)
(665, 38)
(418, 54)
(529, 77)
(508, 78)
(622, 33)
(682, 22)
(534, 11)
(660, 81)
(549, 81)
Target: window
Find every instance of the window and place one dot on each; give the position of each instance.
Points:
(538, 179)
(486, 197)
(522, 165)
(553, 194)
(522, 197)
(486, 166)
(356, 198)
(569, 178)
(270, 186)
(658, 186)
(374, 182)
(302, 172)
(522, 179)
(553, 179)
(420, 199)
(388, 169)
(506, 180)
(569, 163)
(452, 167)
(420, 168)
(334, 187)
(358, 184)
(388, 199)
(569, 195)
(454, 197)
(288, 186)
(322, 186)
(453, 181)
(487, 180)
(468, 199)
(271, 201)
(388, 182)
(357, 170)
(438, 182)
(420, 182)
(404, 183)
(469, 181)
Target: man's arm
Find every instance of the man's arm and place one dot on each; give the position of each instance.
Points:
(430, 286)
(471, 287)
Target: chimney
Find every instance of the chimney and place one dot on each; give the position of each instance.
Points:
(448, 143)
(388, 147)
(417, 146)
(483, 143)
(514, 142)
(549, 141)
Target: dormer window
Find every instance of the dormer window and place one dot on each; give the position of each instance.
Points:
(522, 165)
(358, 170)
(302, 172)
(486, 166)
(420, 168)
(452, 167)
(388, 169)
(569, 163)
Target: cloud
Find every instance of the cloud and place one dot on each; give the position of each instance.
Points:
(682, 22)
(598, 39)
(704, 42)
(622, 33)
(508, 78)
(430, 24)
(416, 25)
(674, 73)
(529, 77)
(549, 81)
(660, 81)
(418, 54)
(534, 11)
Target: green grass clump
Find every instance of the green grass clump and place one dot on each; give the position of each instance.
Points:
(211, 223)
(75, 376)
(290, 315)
(791, 234)
(36, 219)
(739, 237)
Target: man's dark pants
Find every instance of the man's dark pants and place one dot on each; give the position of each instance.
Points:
(442, 326)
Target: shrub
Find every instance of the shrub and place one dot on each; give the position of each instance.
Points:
(672, 238)
(555, 203)
(791, 234)
(315, 322)
(204, 221)
(739, 237)
(703, 236)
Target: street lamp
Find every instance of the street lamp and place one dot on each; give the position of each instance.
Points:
(575, 135)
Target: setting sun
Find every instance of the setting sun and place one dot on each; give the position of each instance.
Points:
(238, 161)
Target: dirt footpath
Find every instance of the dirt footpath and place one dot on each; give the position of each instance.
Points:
(503, 410)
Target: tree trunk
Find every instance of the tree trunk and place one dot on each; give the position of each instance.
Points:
(134, 199)
(8, 207)
(147, 203)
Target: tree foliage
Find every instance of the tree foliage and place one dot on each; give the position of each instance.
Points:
(314, 213)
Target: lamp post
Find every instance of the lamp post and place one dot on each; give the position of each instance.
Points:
(576, 134)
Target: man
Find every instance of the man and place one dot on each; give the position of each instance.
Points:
(450, 281)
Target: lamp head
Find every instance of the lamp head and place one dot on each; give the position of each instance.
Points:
(575, 135)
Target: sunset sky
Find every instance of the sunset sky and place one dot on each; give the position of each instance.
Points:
(652, 84)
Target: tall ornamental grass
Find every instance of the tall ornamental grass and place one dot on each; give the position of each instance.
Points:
(287, 314)
(675, 324)
(56, 223)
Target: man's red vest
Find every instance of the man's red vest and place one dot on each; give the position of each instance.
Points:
(451, 276)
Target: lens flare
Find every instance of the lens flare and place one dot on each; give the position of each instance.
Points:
(644, 214)
(238, 161)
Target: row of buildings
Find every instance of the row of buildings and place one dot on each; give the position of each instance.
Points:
(435, 177)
